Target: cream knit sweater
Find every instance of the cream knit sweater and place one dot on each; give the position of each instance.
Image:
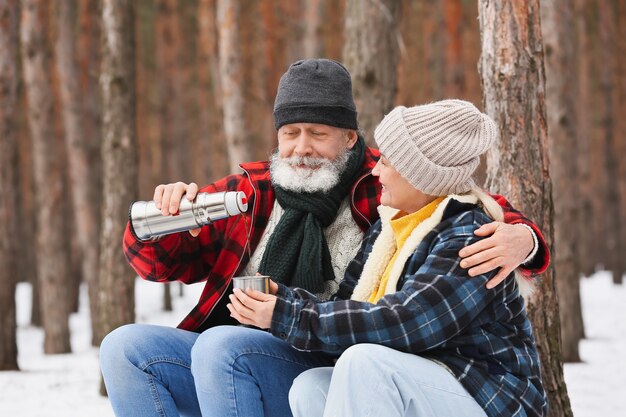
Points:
(343, 237)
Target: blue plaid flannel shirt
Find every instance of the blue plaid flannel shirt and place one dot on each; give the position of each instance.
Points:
(483, 336)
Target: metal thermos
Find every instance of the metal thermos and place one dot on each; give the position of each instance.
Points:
(148, 222)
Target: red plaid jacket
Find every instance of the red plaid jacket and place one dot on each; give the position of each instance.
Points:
(223, 249)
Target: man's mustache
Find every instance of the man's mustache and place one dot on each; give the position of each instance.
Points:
(307, 161)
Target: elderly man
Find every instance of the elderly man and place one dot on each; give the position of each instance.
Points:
(311, 205)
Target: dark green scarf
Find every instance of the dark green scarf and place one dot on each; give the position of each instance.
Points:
(297, 253)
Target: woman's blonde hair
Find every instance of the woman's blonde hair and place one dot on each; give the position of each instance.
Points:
(491, 206)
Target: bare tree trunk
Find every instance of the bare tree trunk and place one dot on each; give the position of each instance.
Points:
(333, 17)
(9, 81)
(454, 82)
(291, 11)
(410, 63)
(53, 256)
(608, 88)
(371, 54)
(27, 219)
(173, 142)
(151, 162)
(312, 41)
(116, 290)
(597, 233)
(88, 58)
(583, 135)
(187, 83)
(433, 48)
(77, 145)
(168, 48)
(621, 119)
(557, 21)
(261, 134)
(211, 143)
(231, 77)
(471, 52)
(272, 50)
(512, 71)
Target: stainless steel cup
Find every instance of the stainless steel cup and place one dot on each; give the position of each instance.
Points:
(256, 282)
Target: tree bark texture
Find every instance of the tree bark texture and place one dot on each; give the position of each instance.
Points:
(9, 81)
(558, 30)
(231, 79)
(370, 53)
(88, 61)
(116, 290)
(52, 250)
(512, 73)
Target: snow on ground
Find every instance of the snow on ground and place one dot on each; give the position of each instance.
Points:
(597, 385)
(67, 385)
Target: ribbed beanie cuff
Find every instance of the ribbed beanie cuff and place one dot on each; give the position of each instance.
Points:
(326, 115)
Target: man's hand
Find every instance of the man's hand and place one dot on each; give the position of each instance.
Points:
(252, 307)
(507, 248)
(167, 198)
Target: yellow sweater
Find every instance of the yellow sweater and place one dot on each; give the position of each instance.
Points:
(403, 225)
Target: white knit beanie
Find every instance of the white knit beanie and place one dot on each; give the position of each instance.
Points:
(436, 146)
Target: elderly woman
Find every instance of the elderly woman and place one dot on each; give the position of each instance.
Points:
(415, 336)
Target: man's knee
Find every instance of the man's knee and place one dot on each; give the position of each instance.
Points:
(218, 348)
(214, 344)
(117, 345)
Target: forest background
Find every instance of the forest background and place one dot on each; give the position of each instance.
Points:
(101, 100)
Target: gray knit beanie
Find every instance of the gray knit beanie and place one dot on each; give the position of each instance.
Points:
(436, 146)
(315, 91)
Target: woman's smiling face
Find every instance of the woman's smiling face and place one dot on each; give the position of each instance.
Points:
(397, 192)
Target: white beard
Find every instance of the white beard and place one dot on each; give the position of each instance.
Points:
(286, 173)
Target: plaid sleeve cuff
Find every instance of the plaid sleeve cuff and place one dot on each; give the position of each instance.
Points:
(284, 318)
(284, 291)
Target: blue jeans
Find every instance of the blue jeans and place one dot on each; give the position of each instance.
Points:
(373, 380)
(225, 371)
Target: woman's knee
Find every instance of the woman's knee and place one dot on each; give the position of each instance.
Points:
(308, 392)
(361, 355)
